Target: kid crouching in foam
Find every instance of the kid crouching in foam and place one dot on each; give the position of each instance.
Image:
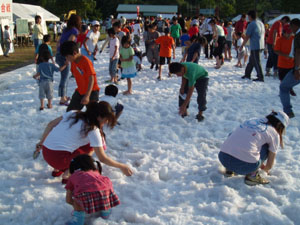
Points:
(88, 191)
(193, 75)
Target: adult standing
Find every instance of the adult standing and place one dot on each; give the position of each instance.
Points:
(76, 133)
(54, 31)
(293, 76)
(137, 32)
(256, 33)
(241, 25)
(70, 33)
(253, 142)
(7, 40)
(89, 45)
(152, 49)
(274, 34)
(37, 31)
(219, 42)
(207, 32)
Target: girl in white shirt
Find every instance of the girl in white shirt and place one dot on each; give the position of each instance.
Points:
(253, 142)
(77, 133)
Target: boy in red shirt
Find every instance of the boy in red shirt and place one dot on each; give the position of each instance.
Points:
(82, 68)
(167, 44)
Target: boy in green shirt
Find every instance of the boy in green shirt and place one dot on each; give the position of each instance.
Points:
(193, 75)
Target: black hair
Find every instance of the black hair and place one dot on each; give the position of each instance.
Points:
(193, 38)
(286, 18)
(46, 38)
(111, 90)
(111, 31)
(94, 110)
(36, 18)
(175, 67)
(6, 26)
(117, 24)
(125, 39)
(276, 123)
(184, 30)
(213, 20)
(295, 22)
(44, 56)
(252, 14)
(167, 30)
(244, 16)
(83, 28)
(202, 40)
(84, 163)
(68, 48)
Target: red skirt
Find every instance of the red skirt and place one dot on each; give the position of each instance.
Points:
(97, 201)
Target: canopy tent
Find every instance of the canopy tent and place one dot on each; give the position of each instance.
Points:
(27, 11)
(128, 16)
(292, 16)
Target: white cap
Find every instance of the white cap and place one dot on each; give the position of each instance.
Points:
(282, 117)
(111, 16)
(95, 22)
(159, 15)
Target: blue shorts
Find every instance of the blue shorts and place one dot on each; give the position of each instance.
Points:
(240, 167)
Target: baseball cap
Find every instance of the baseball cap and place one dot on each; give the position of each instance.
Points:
(282, 117)
(287, 29)
(95, 22)
(159, 15)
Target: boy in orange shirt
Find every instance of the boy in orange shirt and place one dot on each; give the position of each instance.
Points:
(282, 49)
(82, 68)
(167, 44)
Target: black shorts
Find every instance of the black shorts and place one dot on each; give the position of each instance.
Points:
(162, 60)
(75, 103)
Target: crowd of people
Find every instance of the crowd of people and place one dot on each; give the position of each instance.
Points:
(69, 141)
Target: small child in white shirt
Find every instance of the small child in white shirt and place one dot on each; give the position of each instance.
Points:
(111, 92)
(241, 53)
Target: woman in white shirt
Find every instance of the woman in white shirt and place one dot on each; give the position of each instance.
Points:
(253, 142)
(77, 133)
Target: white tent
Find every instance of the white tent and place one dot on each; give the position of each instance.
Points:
(292, 16)
(26, 11)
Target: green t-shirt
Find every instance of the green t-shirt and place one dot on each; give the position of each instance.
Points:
(126, 53)
(194, 72)
(175, 30)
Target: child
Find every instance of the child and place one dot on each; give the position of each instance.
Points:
(111, 92)
(193, 51)
(166, 44)
(193, 75)
(241, 52)
(114, 55)
(184, 37)
(88, 191)
(127, 63)
(82, 68)
(44, 74)
(43, 47)
(138, 57)
(253, 142)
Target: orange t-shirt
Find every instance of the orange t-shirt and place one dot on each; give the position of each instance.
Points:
(82, 71)
(166, 43)
(284, 45)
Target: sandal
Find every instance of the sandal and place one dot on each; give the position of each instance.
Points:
(57, 173)
(41, 108)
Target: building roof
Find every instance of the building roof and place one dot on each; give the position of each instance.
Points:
(148, 8)
(27, 11)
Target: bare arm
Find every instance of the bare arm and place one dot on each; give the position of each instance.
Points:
(85, 46)
(187, 100)
(85, 100)
(110, 162)
(281, 53)
(115, 52)
(69, 198)
(47, 130)
(246, 38)
(104, 44)
(270, 161)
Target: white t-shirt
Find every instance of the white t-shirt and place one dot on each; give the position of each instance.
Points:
(113, 101)
(246, 141)
(113, 43)
(239, 44)
(92, 40)
(220, 31)
(136, 29)
(66, 138)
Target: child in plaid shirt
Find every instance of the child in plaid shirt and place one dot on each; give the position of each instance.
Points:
(88, 191)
